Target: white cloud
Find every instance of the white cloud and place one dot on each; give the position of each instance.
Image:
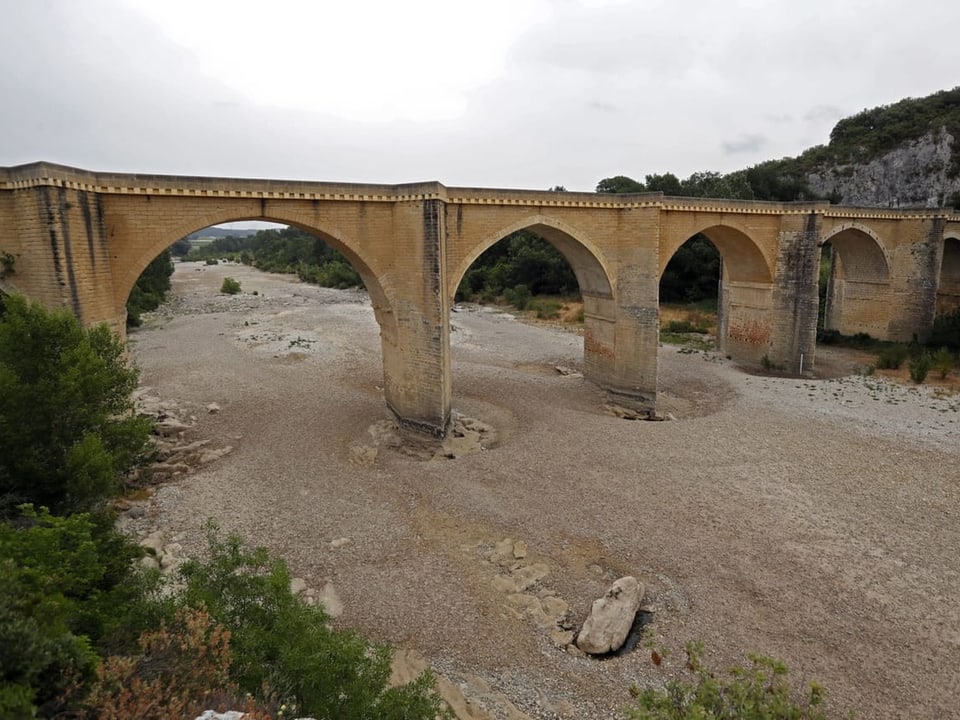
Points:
(520, 93)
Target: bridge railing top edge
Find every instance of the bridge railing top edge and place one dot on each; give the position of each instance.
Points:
(51, 174)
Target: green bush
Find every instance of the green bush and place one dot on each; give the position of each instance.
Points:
(920, 367)
(151, 288)
(230, 286)
(758, 692)
(892, 357)
(943, 361)
(545, 308)
(518, 296)
(67, 424)
(287, 646)
(211, 261)
(69, 591)
(683, 326)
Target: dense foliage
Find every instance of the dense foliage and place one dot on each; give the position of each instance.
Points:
(522, 259)
(85, 632)
(283, 644)
(151, 288)
(70, 593)
(288, 250)
(67, 424)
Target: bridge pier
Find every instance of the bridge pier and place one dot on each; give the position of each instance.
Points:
(625, 365)
(416, 341)
(794, 301)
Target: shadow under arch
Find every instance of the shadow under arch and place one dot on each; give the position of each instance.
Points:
(585, 259)
(745, 289)
(857, 271)
(948, 287)
(380, 296)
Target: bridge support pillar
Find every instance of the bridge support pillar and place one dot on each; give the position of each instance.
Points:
(793, 337)
(416, 344)
(914, 279)
(626, 364)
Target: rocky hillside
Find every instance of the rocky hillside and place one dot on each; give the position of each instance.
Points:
(915, 174)
(898, 155)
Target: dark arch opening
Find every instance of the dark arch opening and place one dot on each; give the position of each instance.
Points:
(552, 276)
(948, 289)
(854, 276)
(717, 281)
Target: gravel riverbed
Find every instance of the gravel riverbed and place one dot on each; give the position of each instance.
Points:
(811, 520)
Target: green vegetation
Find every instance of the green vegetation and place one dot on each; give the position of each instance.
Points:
(758, 692)
(522, 264)
(86, 632)
(920, 366)
(230, 286)
(892, 356)
(66, 410)
(283, 644)
(151, 288)
(943, 362)
(288, 250)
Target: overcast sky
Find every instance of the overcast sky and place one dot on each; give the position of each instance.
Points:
(499, 93)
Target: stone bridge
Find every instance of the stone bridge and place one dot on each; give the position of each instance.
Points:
(79, 239)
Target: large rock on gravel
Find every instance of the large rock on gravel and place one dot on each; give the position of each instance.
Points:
(611, 617)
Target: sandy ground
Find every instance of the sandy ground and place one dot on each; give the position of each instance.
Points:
(812, 520)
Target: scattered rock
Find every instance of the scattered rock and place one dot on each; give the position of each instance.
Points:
(297, 586)
(519, 549)
(339, 542)
(330, 600)
(568, 372)
(611, 617)
(213, 408)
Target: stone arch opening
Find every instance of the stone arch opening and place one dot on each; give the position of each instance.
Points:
(378, 293)
(948, 288)
(546, 244)
(742, 281)
(854, 281)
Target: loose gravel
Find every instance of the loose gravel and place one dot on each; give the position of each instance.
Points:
(812, 520)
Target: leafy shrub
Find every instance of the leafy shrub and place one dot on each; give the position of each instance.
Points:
(230, 286)
(518, 296)
(211, 261)
(288, 647)
(545, 308)
(151, 288)
(757, 692)
(920, 367)
(181, 670)
(66, 409)
(69, 590)
(943, 361)
(892, 357)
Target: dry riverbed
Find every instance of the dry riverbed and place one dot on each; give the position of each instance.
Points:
(813, 520)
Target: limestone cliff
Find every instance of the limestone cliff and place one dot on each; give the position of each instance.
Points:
(917, 173)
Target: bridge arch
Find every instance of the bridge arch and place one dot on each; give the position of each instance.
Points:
(585, 259)
(745, 286)
(379, 293)
(857, 271)
(744, 260)
(948, 287)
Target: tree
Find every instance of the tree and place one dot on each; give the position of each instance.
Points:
(67, 425)
(620, 184)
(151, 288)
